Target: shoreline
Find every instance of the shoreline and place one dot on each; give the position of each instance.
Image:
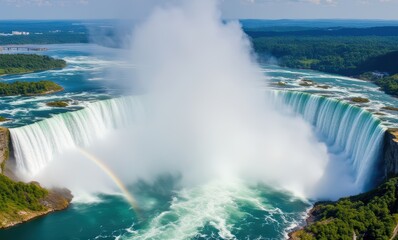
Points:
(28, 72)
(372, 214)
(57, 200)
(309, 219)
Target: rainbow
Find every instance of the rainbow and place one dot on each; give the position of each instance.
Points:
(108, 171)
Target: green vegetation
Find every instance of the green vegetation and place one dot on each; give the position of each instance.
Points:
(389, 84)
(29, 88)
(47, 38)
(342, 55)
(3, 119)
(6, 156)
(18, 196)
(57, 104)
(367, 57)
(25, 63)
(372, 215)
(359, 100)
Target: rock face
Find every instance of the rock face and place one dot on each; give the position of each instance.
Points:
(389, 163)
(56, 200)
(4, 147)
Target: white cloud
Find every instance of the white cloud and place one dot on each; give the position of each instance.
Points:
(303, 1)
(21, 3)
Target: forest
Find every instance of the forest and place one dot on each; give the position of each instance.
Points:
(354, 56)
(45, 39)
(18, 195)
(25, 63)
(372, 215)
(342, 55)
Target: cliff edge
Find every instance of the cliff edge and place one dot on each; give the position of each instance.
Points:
(4, 148)
(21, 202)
(389, 161)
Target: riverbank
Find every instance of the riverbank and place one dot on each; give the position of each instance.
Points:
(56, 200)
(371, 215)
(21, 202)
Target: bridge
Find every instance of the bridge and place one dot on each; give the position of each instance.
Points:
(18, 48)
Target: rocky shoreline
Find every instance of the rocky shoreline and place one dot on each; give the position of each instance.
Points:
(57, 199)
(311, 218)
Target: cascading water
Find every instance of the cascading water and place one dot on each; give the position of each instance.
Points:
(349, 131)
(37, 144)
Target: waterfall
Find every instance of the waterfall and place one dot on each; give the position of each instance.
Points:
(36, 144)
(349, 131)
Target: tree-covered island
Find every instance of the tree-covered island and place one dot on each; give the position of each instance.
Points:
(26, 63)
(29, 88)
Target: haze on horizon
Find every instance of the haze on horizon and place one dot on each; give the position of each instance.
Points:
(231, 9)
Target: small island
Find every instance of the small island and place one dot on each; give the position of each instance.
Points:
(29, 88)
(58, 104)
(26, 63)
(389, 108)
(306, 83)
(359, 100)
(3, 119)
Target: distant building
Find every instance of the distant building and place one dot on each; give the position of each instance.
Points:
(380, 74)
(19, 33)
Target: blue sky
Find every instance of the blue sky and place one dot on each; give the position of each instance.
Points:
(231, 9)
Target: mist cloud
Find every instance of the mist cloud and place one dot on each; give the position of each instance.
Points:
(207, 114)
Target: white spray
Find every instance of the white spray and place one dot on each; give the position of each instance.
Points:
(207, 116)
(207, 113)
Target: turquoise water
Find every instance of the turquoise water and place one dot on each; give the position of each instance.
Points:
(212, 210)
(339, 87)
(84, 80)
(90, 76)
